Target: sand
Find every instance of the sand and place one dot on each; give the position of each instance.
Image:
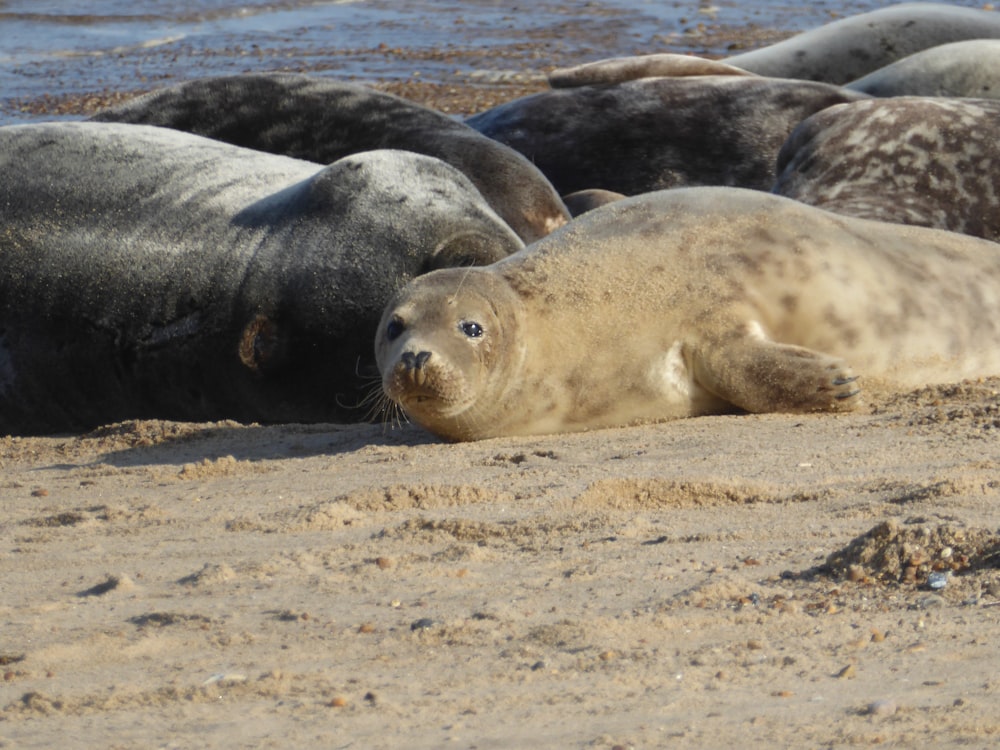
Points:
(695, 584)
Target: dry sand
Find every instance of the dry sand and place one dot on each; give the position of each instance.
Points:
(169, 585)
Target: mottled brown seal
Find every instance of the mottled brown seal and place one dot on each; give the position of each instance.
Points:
(148, 273)
(931, 162)
(688, 302)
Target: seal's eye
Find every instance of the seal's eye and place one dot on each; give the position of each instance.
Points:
(471, 329)
(394, 329)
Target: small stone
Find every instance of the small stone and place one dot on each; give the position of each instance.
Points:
(366, 627)
(424, 623)
(877, 636)
(938, 580)
(755, 645)
(881, 708)
(847, 673)
(40, 492)
(338, 702)
(855, 573)
(384, 563)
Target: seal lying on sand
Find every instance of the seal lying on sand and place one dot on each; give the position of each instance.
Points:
(852, 47)
(322, 120)
(656, 133)
(150, 273)
(931, 162)
(688, 302)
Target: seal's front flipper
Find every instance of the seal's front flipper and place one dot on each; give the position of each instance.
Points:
(760, 375)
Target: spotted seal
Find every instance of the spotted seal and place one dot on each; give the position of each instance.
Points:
(932, 162)
(656, 133)
(321, 120)
(688, 302)
(146, 273)
(967, 69)
(852, 47)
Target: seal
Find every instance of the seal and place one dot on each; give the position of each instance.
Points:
(689, 302)
(852, 47)
(656, 133)
(587, 200)
(620, 69)
(322, 120)
(931, 162)
(966, 69)
(148, 273)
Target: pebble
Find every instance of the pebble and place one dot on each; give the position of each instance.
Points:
(881, 708)
(847, 673)
(424, 623)
(937, 580)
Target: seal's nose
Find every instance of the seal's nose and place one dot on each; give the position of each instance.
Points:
(415, 361)
(411, 367)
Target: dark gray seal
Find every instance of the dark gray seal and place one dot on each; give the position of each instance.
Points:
(852, 47)
(932, 162)
(655, 133)
(148, 273)
(967, 69)
(686, 302)
(322, 120)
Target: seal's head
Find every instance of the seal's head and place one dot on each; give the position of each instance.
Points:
(449, 349)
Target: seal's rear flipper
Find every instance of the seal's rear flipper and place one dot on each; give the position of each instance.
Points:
(760, 375)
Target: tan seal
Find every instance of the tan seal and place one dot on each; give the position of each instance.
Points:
(688, 302)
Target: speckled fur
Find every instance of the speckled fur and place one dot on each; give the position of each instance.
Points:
(321, 120)
(924, 161)
(852, 47)
(687, 302)
(657, 133)
(149, 273)
(970, 68)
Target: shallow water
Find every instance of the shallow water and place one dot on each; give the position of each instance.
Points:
(54, 48)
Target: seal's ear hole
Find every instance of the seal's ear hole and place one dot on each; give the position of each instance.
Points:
(394, 329)
(471, 328)
(261, 345)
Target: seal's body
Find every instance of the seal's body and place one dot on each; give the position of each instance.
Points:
(150, 273)
(970, 69)
(932, 162)
(321, 120)
(852, 47)
(689, 302)
(656, 133)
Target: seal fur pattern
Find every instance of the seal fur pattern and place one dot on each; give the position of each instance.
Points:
(656, 133)
(321, 120)
(852, 47)
(148, 273)
(931, 162)
(688, 302)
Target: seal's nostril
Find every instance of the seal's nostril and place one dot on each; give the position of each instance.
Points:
(413, 361)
